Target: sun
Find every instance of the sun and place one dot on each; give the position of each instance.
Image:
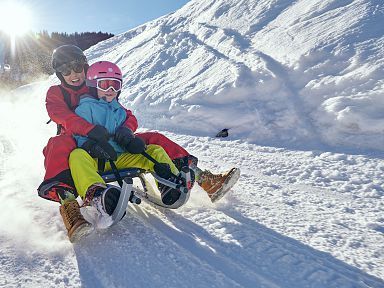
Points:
(15, 18)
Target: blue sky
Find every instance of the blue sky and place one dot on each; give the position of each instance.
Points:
(95, 15)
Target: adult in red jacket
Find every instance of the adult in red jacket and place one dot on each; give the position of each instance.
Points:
(61, 101)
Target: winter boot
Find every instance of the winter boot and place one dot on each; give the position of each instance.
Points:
(217, 185)
(189, 161)
(74, 222)
(170, 195)
(102, 198)
(57, 191)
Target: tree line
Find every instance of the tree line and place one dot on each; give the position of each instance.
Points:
(29, 57)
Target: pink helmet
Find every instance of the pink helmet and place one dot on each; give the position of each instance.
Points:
(102, 69)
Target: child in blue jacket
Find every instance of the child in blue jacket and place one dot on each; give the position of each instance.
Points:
(101, 108)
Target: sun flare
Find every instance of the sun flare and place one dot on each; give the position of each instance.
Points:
(15, 18)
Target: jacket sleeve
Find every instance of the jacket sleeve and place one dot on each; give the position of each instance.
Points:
(130, 121)
(60, 113)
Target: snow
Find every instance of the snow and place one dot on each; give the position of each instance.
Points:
(300, 86)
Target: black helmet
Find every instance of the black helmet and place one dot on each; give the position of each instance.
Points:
(65, 54)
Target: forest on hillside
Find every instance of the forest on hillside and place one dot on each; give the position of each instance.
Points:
(28, 57)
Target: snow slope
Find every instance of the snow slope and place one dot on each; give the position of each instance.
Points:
(300, 84)
(298, 73)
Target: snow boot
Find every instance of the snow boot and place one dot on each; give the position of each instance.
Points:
(56, 191)
(103, 198)
(217, 185)
(74, 222)
(191, 162)
(170, 195)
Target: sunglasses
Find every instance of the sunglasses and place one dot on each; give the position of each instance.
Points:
(104, 84)
(67, 68)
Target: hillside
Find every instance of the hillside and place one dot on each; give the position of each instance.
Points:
(301, 74)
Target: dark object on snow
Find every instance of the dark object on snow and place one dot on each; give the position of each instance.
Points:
(223, 133)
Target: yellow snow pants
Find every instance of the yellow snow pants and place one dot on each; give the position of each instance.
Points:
(84, 167)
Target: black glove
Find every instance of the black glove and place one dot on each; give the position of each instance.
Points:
(123, 136)
(135, 146)
(99, 133)
(163, 170)
(101, 150)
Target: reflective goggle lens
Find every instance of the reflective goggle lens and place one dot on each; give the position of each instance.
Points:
(106, 84)
(67, 68)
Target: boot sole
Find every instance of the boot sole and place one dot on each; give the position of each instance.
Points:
(228, 184)
(82, 232)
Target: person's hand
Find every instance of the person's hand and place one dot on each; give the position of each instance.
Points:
(100, 150)
(99, 133)
(123, 136)
(135, 146)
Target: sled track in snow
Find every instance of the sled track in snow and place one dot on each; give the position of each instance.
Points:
(278, 257)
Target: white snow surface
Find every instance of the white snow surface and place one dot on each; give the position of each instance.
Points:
(299, 84)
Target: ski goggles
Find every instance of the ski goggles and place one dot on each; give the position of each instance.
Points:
(104, 84)
(75, 66)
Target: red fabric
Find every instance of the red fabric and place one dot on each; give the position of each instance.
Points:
(131, 121)
(56, 154)
(60, 113)
(173, 150)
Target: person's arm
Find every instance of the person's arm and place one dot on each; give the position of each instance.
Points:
(61, 114)
(131, 121)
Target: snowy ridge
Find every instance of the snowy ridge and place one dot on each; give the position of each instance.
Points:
(300, 84)
(276, 72)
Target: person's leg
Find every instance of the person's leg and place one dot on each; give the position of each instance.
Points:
(216, 185)
(84, 167)
(77, 227)
(173, 149)
(127, 160)
(89, 183)
(91, 186)
(58, 183)
(84, 171)
(168, 194)
(56, 155)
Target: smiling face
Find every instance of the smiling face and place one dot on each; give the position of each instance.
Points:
(75, 79)
(107, 95)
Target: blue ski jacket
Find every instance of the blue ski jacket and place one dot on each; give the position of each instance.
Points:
(111, 115)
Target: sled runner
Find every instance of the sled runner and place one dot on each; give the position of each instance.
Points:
(146, 188)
